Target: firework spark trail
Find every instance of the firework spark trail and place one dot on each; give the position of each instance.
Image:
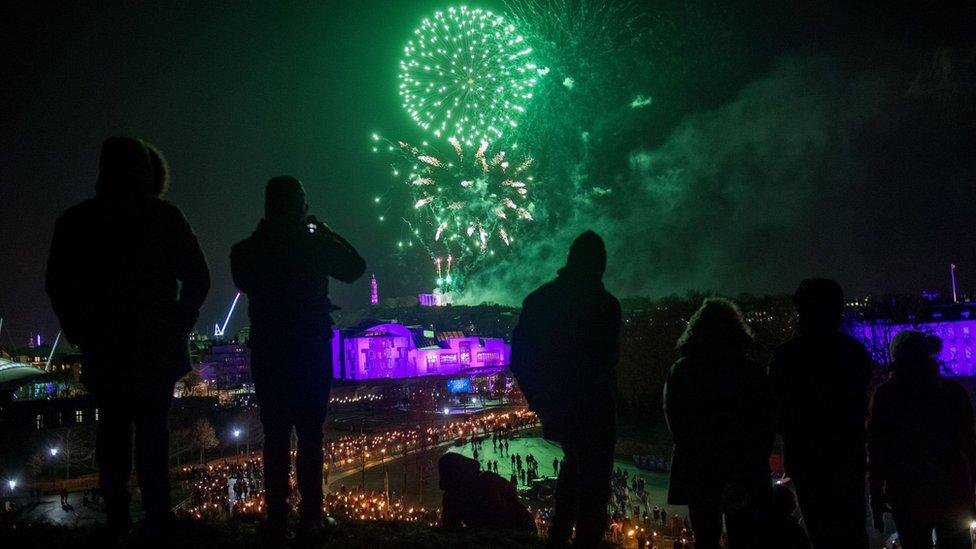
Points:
(465, 202)
(467, 75)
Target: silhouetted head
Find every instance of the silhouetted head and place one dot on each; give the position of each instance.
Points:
(284, 199)
(160, 170)
(124, 167)
(820, 304)
(456, 471)
(587, 256)
(915, 354)
(716, 327)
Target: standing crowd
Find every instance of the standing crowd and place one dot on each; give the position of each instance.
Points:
(128, 260)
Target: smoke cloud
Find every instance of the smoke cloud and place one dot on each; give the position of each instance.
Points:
(817, 168)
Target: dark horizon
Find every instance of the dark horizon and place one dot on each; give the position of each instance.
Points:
(783, 141)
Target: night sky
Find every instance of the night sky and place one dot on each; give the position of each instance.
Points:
(783, 141)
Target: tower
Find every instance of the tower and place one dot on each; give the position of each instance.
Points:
(374, 294)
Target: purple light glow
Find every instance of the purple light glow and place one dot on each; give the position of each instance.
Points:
(958, 344)
(390, 351)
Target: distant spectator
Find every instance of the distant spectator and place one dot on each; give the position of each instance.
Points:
(719, 408)
(479, 499)
(820, 378)
(923, 448)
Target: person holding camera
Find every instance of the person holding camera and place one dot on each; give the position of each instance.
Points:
(284, 268)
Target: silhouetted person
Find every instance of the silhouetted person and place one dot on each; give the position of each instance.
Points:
(284, 268)
(719, 409)
(479, 499)
(820, 378)
(922, 448)
(564, 351)
(126, 278)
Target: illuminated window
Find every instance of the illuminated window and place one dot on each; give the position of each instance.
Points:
(40, 421)
(488, 357)
(96, 414)
(79, 416)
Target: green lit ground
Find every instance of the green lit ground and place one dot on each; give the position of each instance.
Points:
(543, 451)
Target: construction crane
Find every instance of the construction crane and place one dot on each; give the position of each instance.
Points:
(219, 328)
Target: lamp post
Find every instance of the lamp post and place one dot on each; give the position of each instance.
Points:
(11, 484)
(237, 438)
(54, 455)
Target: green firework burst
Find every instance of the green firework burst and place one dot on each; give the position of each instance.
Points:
(466, 74)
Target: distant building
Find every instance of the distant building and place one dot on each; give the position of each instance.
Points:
(374, 292)
(435, 299)
(954, 324)
(395, 351)
(226, 366)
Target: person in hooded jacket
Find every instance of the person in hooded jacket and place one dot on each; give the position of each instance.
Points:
(719, 408)
(922, 448)
(479, 499)
(564, 352)
(126, 277)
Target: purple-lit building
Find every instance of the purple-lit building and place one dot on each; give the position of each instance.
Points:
(226, 366)
(955, 325)
(394, 351)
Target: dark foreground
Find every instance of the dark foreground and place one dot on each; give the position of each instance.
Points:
(242, 533)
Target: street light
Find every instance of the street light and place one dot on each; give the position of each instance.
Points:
(237, 437)
(54, 454)
(12, 484)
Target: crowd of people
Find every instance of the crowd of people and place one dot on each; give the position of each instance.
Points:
(223, 489)
(143, 262)
(653, 463)
(352, 449)
(915, 440)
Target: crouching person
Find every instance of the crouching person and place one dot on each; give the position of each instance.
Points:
(479, 499)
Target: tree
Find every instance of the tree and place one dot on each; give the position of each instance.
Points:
(189, 383)
(203, 436)
(76, 447)
(180, 442)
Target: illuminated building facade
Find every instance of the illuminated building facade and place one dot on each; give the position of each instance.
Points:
(955, 325)
(226, 366)
(394, 351)
(435, 299)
